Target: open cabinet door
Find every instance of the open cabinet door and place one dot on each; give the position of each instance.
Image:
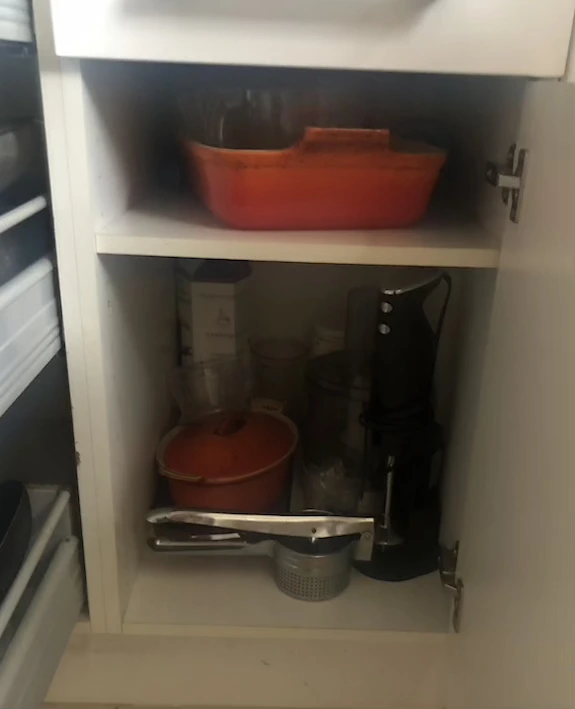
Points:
(516, 646)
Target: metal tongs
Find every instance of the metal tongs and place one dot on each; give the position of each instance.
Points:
(238, 529)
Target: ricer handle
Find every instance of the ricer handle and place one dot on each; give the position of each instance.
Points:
(307, 526)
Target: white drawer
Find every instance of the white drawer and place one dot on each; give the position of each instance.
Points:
(29, 329)
(447, 36)
(15, 23)
(42, 607)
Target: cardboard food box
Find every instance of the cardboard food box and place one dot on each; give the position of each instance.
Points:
(212, 307)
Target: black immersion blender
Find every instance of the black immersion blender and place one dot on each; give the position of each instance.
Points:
(401, 436)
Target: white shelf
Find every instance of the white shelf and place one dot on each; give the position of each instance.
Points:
(237, 597)
(168, 227)
(21, 213)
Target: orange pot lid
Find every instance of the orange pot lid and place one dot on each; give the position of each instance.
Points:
(228, 446)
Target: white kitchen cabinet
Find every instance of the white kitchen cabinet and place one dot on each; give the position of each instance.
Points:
(171, 631)
(453, 36)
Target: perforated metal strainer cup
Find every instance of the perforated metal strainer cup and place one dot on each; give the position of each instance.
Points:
(310, 574)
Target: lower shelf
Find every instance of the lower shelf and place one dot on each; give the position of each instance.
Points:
(237, 597)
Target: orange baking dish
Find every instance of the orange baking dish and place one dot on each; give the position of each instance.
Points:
(332, 179)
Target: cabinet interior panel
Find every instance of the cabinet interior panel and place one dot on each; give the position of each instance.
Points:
(137, 302)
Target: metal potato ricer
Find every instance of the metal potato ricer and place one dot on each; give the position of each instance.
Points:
(312, 551)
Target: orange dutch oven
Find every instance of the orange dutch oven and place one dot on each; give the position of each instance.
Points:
(229, 461)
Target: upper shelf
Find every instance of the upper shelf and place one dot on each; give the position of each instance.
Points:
(167, 227)
(442, 36)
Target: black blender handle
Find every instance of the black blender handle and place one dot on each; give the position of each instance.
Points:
(448, 282)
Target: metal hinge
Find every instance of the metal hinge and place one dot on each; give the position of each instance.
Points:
(451, 581)
(509, 178)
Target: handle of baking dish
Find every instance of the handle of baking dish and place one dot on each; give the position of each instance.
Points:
(346, 139)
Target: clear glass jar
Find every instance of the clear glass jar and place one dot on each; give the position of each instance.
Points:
(207, 387)
(278, 371)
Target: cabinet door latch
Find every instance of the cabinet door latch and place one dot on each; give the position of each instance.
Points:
(451, 581)
(509, 178)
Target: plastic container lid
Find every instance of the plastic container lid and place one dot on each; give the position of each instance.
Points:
(229, 446)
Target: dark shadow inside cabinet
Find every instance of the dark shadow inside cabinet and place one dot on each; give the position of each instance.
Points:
(37, 437)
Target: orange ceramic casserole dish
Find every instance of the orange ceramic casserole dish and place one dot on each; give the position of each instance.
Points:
(332, 179)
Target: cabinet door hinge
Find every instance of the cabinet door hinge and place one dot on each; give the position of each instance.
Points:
(509, 178)
(451, 581)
